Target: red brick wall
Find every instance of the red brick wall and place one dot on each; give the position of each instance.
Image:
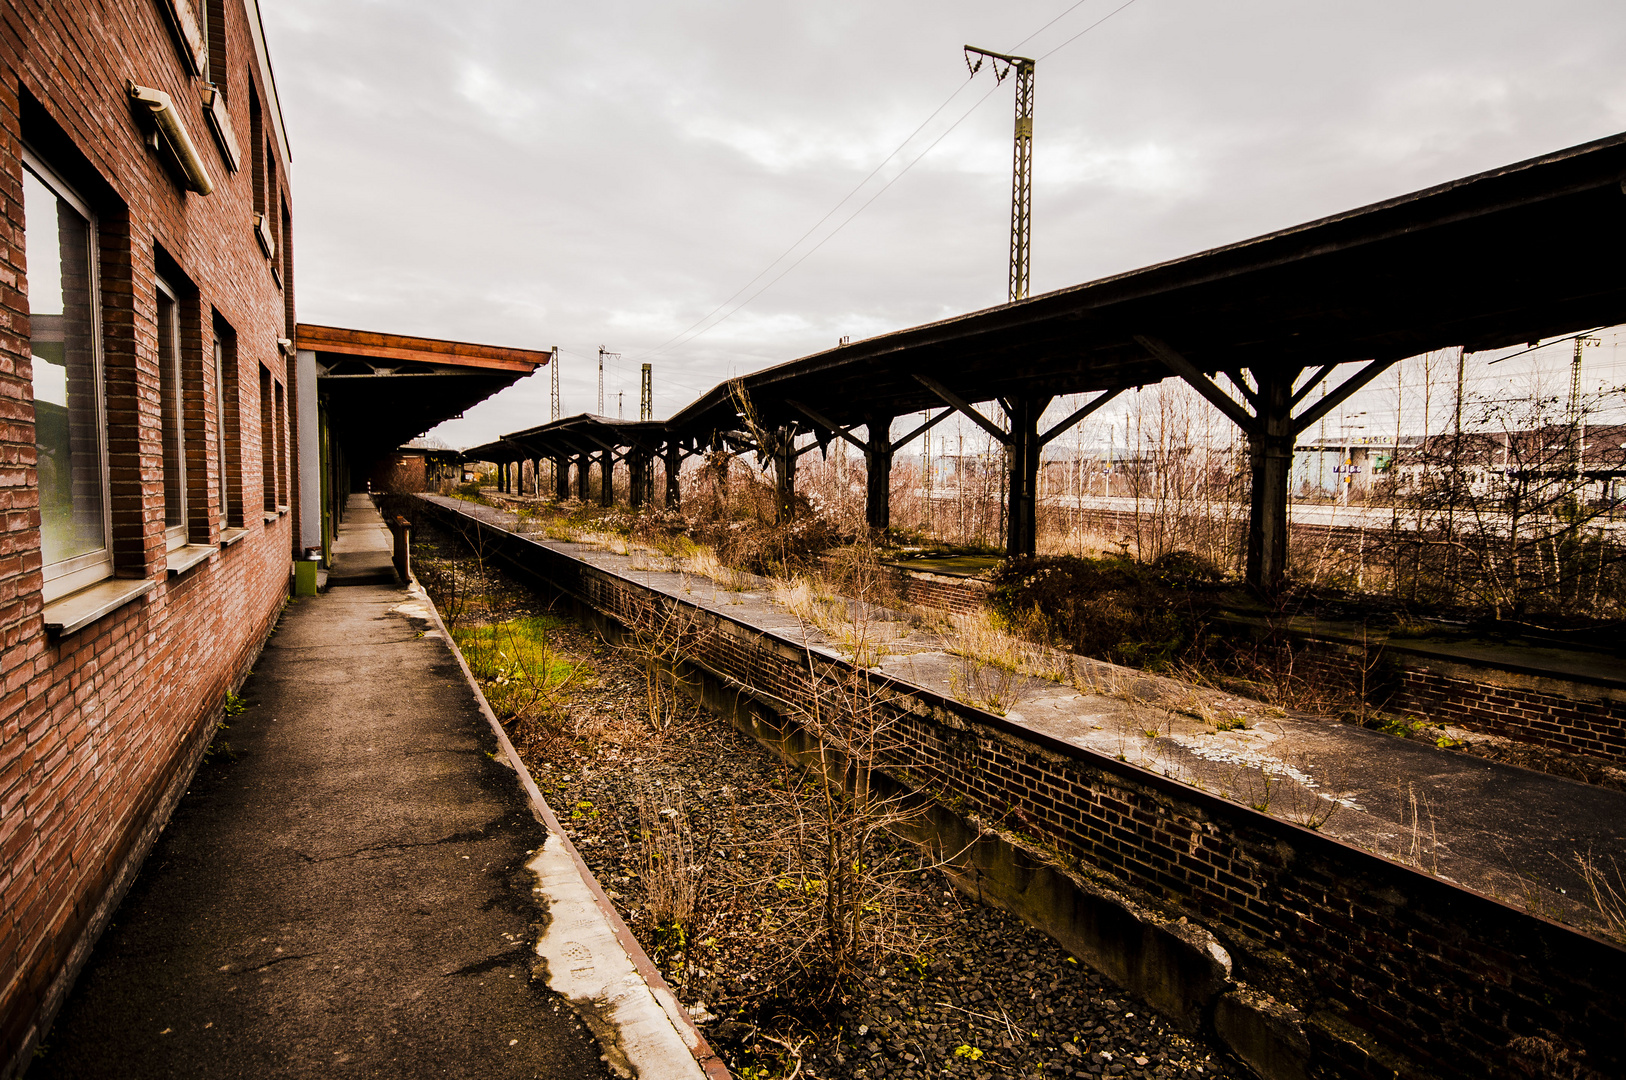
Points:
(960, 595)
(96, 726)
(400, 474)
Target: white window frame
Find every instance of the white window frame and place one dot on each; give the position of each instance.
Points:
(71, 575)
(175, 536)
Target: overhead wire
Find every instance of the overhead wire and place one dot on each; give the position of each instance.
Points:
(704, 325)
(830, 213)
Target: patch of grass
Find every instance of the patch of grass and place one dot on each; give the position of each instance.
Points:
(523, 676)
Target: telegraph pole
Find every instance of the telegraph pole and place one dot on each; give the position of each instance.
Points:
(553, 363)
(1022, 159)
(646, 394)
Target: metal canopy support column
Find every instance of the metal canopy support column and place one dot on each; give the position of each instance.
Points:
(878, 471)
(606, 478)
(1022, 535)
(673, 455)
(561, 477)
(1271, 430)
(584, 464)
(1023, 443)
(1270, 459)
(640, 477)
(782, 454)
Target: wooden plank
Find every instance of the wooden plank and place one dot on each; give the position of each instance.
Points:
(366, 343)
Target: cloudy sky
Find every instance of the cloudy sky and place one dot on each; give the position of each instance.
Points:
(541, 174)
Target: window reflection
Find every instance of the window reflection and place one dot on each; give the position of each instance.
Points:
(67, 421)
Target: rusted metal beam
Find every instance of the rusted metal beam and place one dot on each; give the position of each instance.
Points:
(951, 398)
(921, 430)
(1340, 395)
(1315, 380)
(829, 425)
(1199, 382)
(1078, 414)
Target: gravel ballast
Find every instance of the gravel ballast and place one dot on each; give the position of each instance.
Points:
(975, 993)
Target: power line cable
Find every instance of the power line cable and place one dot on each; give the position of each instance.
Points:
(1087, 29)
(830, 213)
(699, 328)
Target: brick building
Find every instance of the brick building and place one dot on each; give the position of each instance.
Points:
(148, 485)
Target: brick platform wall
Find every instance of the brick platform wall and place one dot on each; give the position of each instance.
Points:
(1568, 715)
(1395, 971)
(944, 592)
(1571, 715)
(100, 728)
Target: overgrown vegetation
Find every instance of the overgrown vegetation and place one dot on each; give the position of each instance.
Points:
(1146, 615)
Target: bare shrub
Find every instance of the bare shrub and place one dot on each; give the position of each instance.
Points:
(668, 870)
(1607, 887)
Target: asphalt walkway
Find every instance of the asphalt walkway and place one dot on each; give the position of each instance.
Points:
(362, 547)
(358, 886)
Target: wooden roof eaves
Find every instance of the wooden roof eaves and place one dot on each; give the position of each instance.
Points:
(367, 343)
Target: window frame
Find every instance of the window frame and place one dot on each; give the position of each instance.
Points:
(72, 574)
(269, 495)
(175, 536)
(221, 465)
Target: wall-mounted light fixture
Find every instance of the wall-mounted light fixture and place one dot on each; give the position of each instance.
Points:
(171, 131)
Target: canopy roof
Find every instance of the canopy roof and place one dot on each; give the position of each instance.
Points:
(381, 390)
(1508, 256)
(571, 435)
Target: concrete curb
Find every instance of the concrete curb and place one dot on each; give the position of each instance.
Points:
(708, 1062)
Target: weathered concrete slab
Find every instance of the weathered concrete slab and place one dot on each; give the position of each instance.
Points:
(346, 894)
(362, 549)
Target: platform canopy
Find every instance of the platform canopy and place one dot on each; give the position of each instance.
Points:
(1505, 257)
(584, 433)
(381, 390)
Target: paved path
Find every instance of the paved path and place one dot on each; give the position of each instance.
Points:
(361, 550)
(345, 894)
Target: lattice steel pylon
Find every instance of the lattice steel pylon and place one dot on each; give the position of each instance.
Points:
(600, 381)
(553, 394)
(646, 394)
(1021, 162)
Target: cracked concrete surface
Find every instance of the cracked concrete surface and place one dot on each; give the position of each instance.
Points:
(346, 895)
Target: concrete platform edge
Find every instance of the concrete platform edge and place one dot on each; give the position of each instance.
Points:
(709, 1062)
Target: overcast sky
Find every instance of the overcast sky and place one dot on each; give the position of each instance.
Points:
(541, 174)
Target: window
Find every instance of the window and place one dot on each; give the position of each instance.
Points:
(282, 450)
(214, 24)
(64, 332)
(172, 397)
(268, 442)
(256, 146)
(228, 437)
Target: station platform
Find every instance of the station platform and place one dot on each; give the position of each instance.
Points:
(361, 880)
